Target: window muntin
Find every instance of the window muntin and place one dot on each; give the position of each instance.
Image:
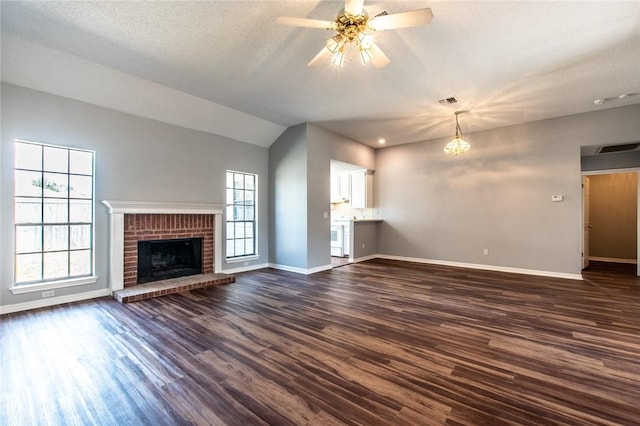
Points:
(53, 208)
(240, 214)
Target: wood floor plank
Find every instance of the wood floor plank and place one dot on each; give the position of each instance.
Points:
(375, 343)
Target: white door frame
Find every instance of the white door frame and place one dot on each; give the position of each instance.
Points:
(585, 221)
(610, 172)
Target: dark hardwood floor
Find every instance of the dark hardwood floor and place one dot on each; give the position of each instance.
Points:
(336, 262)
(597, 268)
(373, 343)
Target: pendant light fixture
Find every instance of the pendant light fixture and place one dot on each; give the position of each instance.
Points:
(457, 145)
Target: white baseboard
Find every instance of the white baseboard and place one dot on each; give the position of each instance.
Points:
(612, 260)
(437, 262)
(245, 268)
(365, 258)
(485, 267)
(301, 270)
(51, 301)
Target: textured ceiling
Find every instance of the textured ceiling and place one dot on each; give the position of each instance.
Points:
(507, 62)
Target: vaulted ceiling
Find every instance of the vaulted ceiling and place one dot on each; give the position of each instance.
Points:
(506, 63)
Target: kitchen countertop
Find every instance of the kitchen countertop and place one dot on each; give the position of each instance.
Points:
(355, 220)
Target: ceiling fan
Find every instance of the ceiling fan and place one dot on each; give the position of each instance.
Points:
(354, 30)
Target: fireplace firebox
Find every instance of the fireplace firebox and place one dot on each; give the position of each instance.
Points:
(164, 259)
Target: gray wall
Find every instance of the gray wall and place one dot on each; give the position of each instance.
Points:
(613, 215)
(365, 233)
(136, 159)
(299, 170)
(621, 160)
(496, 196)
(288, 203)
(325, 146)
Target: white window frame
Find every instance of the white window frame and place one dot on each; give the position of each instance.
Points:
(69, 280)
(229, 205)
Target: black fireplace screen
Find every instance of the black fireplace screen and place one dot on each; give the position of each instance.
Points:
(164, 259)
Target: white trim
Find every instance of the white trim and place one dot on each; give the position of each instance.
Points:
(241, 259)
(43, 303)
(435, 262)
(319, 269)
(301, 270)
(230, 203)
(246, 268)
(612, 259)
(217, 242)
(71, 282)
(364, 258)
(154, 207)
(116, 251)
(485, 267)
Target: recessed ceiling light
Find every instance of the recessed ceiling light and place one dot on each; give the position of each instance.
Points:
(382, 141)
(598, 101)
(623, 96)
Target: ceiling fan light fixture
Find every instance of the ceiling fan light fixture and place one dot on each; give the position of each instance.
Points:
(353, 27)
(335, 43)
(366, 55)
(365, 40)
(338, 58)
(457, 145)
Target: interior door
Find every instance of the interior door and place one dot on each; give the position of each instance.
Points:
(585, 221)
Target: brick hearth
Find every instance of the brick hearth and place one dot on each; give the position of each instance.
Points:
(171, 286)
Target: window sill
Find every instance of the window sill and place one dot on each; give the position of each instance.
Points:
(72, 282)
(242, 259)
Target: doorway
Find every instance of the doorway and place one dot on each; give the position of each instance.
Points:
(611, 221)
(344, 194)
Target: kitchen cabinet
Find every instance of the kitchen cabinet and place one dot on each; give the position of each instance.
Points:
(362, 189)
(340, 188)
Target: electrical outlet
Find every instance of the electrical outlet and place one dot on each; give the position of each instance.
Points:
(245, 263)
(362, 245)
(486, 252)
(48, 293)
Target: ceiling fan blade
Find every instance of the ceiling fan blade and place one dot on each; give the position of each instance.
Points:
(379, 60)
(353, 7)
(412, 18)
(306, 23)
(322, 57)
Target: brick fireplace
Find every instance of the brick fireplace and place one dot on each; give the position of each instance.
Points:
(146, 227)
(132, 221)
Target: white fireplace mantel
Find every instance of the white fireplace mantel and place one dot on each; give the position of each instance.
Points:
(150, 207)
(117, 210)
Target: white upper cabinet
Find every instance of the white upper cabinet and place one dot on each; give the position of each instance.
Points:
(362, 189)
(340, 188)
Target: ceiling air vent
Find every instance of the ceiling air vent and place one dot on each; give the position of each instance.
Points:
(448, 101)
(383, 13)
(618, 148)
